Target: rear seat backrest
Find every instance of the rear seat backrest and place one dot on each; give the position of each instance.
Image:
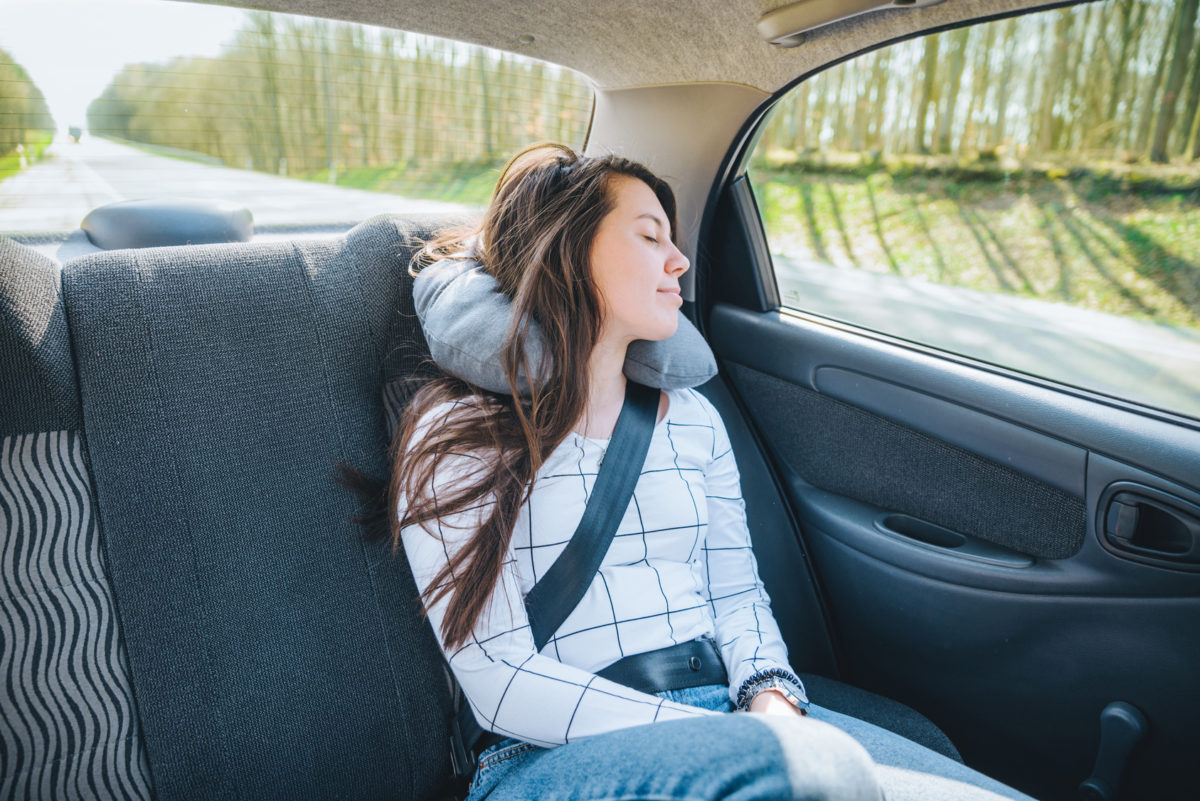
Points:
(272, 654)
(68, 727)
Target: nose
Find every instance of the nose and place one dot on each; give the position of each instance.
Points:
(677, 263)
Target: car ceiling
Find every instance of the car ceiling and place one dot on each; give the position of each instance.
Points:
(629, 43)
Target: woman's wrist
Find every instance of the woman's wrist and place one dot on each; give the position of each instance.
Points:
(773, 702)
(781, 682)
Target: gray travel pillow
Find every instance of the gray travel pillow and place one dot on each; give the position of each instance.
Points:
(465, 317)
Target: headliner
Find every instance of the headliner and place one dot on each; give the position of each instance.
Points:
(628, 43)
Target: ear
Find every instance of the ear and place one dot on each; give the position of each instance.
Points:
(465, 318)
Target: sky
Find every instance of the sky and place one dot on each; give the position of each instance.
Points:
(72, 48)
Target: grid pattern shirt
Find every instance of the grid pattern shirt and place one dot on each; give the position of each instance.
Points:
(680, 567)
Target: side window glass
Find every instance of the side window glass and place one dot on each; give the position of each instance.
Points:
(1025, 192)
(304, 121)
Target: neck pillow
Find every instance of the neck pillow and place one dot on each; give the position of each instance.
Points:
(465, 318)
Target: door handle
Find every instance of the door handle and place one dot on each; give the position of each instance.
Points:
(1140, 521)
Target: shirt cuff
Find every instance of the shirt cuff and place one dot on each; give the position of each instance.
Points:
(773, 678)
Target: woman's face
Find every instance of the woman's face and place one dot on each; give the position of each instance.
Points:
(636, 266)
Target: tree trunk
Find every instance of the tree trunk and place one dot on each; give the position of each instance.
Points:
(1183, 31)
(1069, 95)
(1006, 77)
(820, 90)
(1190, 106)
(839, 106)
(485, 115)
(862, 109)
(954, 69)
(1142, 140)
(1132, 22)
(977, 103)
(1196, 136)
(800, 118)
(928, 91)
(264, 27)
(1050, 87)
(879, 94)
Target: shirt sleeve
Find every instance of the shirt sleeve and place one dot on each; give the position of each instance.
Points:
(512, 689)
(747, 633)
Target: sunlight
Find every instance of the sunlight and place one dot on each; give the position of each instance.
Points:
(73, 48)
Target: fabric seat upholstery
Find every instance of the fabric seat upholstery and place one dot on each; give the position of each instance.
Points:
(274, 655)
(68, 725)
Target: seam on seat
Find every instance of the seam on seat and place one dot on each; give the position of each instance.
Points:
(409, 734)
(205, 614)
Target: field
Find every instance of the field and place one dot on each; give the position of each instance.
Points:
(1118, 241)
(468, 182)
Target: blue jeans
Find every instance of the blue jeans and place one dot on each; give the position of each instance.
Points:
(742, 757)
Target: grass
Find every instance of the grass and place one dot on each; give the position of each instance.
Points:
(162, 150)
(467, 182)
(1060, 235)
(10, 163)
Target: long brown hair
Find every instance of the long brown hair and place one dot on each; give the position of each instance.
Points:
(535, 238)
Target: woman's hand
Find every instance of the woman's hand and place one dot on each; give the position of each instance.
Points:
(771, 702)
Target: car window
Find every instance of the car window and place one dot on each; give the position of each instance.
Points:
(303, 121)
(1024, 192)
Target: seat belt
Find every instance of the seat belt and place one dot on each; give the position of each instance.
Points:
(563, 586)
(560, 589)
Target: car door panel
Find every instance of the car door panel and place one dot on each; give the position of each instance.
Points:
(952, 512)
(783, 563)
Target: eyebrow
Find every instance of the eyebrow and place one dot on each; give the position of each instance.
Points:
(657, 220)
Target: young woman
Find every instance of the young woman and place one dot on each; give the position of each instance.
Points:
(488, 488)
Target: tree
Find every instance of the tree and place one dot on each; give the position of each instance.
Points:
(928, 92)
(1191, 106)
(328, 102)
(862, 107)
(1003, 85)
(879, 86)
(1132, 22)
(953, 81)
(977, 103)
(1046, 136)
(486, 106)
(262, 26)
(799, 130)
(1150, 96)
(1182, 47)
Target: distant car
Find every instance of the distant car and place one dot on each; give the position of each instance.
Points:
(75, 132)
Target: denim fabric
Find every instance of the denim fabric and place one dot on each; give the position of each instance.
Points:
(739, 757)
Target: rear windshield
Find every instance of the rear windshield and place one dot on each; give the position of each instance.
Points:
(303, 121)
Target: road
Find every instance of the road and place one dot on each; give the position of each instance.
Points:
(1158, 365)
(55, 194)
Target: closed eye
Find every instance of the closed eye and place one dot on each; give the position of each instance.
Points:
(650, 238)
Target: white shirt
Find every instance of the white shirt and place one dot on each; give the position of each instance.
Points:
(679, 567)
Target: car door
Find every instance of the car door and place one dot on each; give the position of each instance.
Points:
(997, 484)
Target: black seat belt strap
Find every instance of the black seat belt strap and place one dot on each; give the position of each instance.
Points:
(561, 588)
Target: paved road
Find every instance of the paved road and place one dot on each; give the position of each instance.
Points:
(1155, 364)
(55, 194)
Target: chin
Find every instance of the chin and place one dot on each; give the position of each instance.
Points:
(663, 331)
